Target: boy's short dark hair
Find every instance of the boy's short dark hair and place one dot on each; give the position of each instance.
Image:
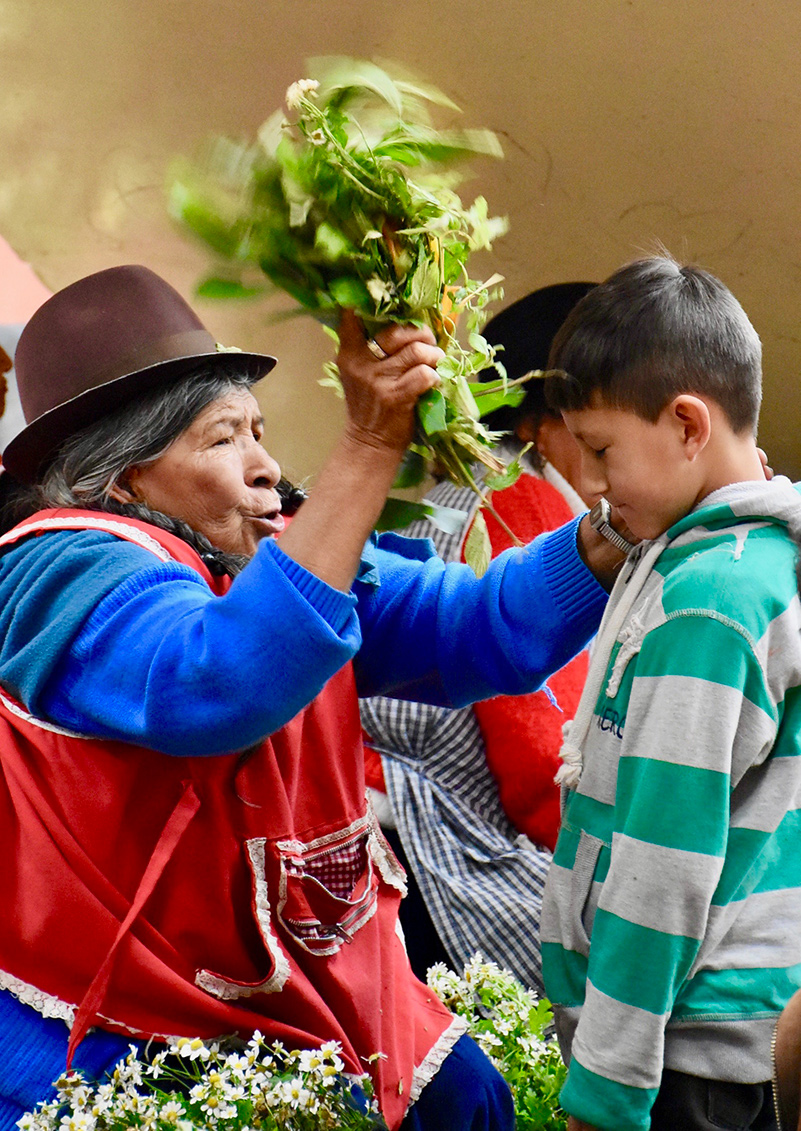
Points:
(653, 330)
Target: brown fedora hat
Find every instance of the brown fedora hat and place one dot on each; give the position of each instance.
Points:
(95, 345)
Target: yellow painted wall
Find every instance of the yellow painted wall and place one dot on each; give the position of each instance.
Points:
(625, 122)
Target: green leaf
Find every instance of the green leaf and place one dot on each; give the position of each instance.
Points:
(299, 210)
(302, 202)
(348, 76)
(505, 478)
(422, 290)
(407, 153)
(217, 287)
(398, 513)
(203, 219)
(413, 145)
(331, 379)
(540, 1016)
(463, 398)
(431, 412)
(477, 548)
(271, 132)
(488, 401)
(480, 344)
(485, 228)
(306, 296)
(414, 86)
(447, 519)
(350, 292)
(448, 367)
(454, 259)
(332, 243)
(411, 472)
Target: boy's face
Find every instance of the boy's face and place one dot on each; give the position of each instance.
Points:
(641, 468)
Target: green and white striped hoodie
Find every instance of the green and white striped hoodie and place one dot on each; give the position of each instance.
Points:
(671, 926)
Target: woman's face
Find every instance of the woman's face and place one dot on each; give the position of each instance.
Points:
(217, 476)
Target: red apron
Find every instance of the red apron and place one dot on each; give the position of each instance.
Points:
(203, 896)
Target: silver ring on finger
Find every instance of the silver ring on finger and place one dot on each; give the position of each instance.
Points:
(375, 349)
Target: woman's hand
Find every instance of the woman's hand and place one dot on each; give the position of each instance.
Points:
(330, 529)
(381, 393)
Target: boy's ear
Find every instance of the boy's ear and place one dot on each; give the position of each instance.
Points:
(691, 415)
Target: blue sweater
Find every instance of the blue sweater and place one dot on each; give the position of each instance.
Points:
(100, 637)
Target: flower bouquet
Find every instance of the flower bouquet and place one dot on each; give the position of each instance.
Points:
(260, 1086)
(347, 199)
(509, 1024)
(192, 1085)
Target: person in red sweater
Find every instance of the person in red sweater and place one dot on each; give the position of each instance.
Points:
(523, 734)
(468, 797)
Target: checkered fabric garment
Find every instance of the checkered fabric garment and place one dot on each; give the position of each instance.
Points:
(482, 882)
(338, 870)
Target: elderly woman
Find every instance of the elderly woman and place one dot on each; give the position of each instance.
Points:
(186, 843)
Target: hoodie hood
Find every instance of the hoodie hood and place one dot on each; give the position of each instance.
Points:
(636, 602)
(772, 501)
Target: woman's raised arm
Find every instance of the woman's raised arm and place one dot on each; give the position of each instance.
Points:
(329, 532)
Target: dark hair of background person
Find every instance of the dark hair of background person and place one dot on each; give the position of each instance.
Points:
(526, 329)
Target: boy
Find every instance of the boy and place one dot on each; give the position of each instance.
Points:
(671, 929)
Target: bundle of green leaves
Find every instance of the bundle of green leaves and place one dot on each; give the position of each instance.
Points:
(510, 1024)
(347, 199)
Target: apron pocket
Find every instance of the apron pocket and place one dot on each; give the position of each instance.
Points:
(228, 989)
(328, 888)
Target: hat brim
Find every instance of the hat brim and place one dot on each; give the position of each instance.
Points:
(27, 454)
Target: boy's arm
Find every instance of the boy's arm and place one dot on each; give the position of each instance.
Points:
(688, 718)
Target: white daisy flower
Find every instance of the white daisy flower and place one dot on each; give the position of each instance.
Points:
(303, 88)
